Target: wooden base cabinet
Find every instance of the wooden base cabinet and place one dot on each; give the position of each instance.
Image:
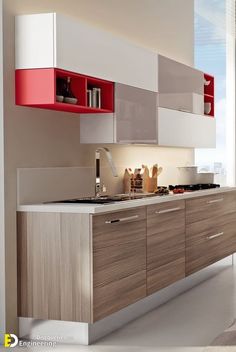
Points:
(82, 267)
(210, 230)
(79, 267)
(165, 244)
(119, 260)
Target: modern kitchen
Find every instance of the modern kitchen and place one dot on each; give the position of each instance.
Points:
(117, 216)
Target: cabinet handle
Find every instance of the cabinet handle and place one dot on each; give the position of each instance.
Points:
(122, 219)
(167, 210)
(214, 236)
(215, 200)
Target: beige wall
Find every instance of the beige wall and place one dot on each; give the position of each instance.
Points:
(2, 220)
(41, 138)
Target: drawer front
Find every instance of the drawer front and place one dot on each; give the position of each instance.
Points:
(165, 275)
(210, 207)
(168, 216)
(119, 227)
(165, 244)
(119, 260)
(114, 263)
(116, 295)
(207, 244)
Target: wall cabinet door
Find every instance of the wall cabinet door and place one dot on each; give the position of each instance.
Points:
(182, 129)
(119, 260)
(165, 244)
(54, 40)
(135, 115)
(134, 120)
(180, 87)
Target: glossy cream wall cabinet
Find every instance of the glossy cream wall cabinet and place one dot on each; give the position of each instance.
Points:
(180, 87)
(54, 40)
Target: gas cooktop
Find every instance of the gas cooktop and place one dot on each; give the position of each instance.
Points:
(194, 187)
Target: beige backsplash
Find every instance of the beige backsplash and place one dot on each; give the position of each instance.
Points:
(45, 184)
(134, 156)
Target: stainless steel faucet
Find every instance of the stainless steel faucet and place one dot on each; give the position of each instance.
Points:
(98, 168)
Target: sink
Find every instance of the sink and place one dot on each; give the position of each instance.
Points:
(104, 199)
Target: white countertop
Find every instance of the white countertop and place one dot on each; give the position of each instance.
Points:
(103, 208)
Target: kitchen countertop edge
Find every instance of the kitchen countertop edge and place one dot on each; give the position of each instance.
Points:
(104, 208)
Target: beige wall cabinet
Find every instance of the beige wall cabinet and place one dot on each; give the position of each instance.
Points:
(165, 244)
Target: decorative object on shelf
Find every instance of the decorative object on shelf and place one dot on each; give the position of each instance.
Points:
(96, 98)
(89, 98)
(207, 83)
(69, 96)
(59, 98)
(207, 108)
(64, 90)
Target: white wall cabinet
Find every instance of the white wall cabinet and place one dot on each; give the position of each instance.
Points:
(157, 100)
(164, 127)
(55, 40)
(182, 129)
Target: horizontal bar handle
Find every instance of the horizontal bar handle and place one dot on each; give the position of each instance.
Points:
(167, 210)
(215, 200)
(216, 235)
(122, 219)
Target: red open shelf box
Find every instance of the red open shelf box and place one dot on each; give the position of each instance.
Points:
(37, 88)
(209, 93)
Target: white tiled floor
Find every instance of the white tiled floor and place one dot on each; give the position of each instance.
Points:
(185, 324)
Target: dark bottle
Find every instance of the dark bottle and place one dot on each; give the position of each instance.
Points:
(63, 87)
(68, 91)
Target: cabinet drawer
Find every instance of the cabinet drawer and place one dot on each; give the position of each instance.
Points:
(168, 216)
(118, 261)
(210, 207)
(119, 227)
(165, 275)
(207, 244)
(117, 295)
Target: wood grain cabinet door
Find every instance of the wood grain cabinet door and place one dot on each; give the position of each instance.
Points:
(210, 230)
(165, 244)
(119, 260)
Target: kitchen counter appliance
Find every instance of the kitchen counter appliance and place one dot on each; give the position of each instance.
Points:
(194, 187)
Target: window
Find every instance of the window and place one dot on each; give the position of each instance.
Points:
(215, 54)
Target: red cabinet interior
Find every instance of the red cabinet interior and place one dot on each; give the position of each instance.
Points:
(37, 88)
(209, 93)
